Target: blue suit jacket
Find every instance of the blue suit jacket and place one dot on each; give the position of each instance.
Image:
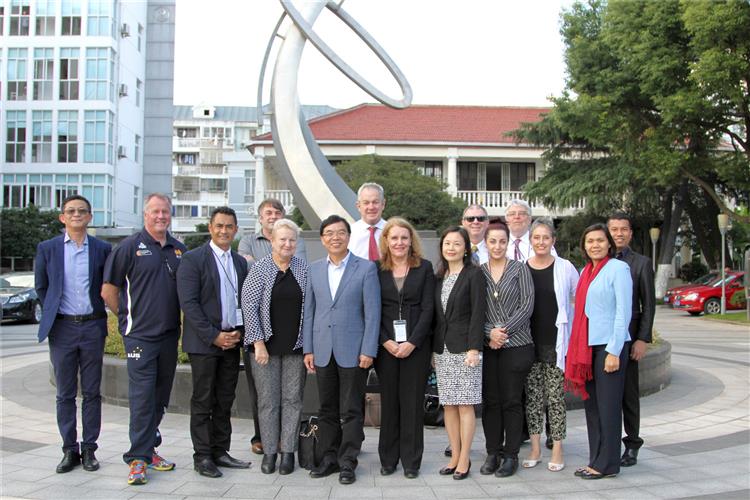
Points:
(49, 273)
(347, 325)
(608, 306)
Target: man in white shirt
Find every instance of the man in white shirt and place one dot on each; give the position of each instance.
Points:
(518, 219)
(475, 220)
(367, 230)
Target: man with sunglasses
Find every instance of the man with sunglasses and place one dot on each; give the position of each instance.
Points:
(475, 220)
(68, 279)
(140, 287)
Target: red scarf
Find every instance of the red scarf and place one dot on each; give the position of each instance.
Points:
(578, 361)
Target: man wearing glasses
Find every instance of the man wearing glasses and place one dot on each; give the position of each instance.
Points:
(140, 287)
(68, 279)
(518, 218)
(475, 220)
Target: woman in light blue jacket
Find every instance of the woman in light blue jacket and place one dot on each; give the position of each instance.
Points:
(598, 353)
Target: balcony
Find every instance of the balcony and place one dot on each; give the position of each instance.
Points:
(201, 170)
(496, 202)
(197, 142)
(284, 196)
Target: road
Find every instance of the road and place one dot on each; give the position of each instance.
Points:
(17, 339)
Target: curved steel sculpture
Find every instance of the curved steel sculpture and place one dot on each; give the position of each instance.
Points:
(317, 188)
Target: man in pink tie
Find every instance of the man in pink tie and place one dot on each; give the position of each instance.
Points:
(518, 218)
(367, 230)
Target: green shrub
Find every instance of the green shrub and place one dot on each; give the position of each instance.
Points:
(114, 346)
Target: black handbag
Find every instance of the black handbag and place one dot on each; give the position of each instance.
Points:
(309, 453)
(433, 410)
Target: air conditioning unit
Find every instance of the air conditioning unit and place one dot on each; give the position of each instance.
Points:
(125, 30)
(123, 90)
(121, 152)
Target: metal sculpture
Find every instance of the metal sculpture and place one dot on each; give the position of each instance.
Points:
(318, 190)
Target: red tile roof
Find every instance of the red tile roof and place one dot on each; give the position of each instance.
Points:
(420, 123)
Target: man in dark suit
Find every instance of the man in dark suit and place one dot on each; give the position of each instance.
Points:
(641, 323)
(341, 327)
(208, 283)
(68, 278)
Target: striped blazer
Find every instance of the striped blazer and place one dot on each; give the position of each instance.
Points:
(256, 298)
(510, 303)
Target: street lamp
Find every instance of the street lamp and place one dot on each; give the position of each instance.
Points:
(654, 233)
(723, 220)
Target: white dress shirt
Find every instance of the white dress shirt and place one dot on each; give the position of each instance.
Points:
(335, 273)
(228, 285)
(359, 242)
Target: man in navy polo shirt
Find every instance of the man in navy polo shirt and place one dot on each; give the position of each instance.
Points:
(140, 287)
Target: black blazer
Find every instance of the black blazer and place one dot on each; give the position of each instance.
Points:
(461, 327)
(199, 290)
(644, 296)
(417, 304)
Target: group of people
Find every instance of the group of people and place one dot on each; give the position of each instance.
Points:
(505, 322)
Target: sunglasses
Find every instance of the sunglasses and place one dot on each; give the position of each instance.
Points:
(475, 218)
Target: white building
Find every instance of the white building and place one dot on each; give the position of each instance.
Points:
(86, 100)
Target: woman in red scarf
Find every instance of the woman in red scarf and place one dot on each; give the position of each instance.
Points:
(598, 353)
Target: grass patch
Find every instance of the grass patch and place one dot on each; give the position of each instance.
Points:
(739, 317)
(115, 347)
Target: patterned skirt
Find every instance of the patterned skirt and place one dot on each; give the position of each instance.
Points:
(458, 384)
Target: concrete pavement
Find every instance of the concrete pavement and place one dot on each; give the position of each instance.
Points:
(697, 434)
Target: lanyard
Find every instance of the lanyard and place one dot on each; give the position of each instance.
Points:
(226, 273)
(401, 292)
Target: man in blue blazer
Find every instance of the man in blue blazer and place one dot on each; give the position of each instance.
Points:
(341, 327)
(209, 282)
(68, 278)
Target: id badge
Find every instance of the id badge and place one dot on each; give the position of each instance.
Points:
(399, 329)
(238, 316)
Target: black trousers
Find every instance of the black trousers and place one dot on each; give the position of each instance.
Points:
(151, 368)
(504, 375)
(78, 348)
(604, 411)
(402, 386)
(341, 418)
(631, 407)
(214, 385)
(252, 392)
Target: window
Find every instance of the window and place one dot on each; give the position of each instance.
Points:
(45, 17)
(15, 147)
(41, 136)
(99, 18)
(95, 137)
(467, 176)
(136, 194)
(43, 74)
(250, 187)
(186, 158)
(185, 211)
(69, 74)
(2, 19)
(14, 196)
(138, 87)
(520, 174)
(431, 168)
(67, 136)
(183, 132)
(17, 74)
(98, 61)
(41, 196)
(213, 185)
(189, 184)
(140, 36)
(71, 18)
(137, 148)
(19, 18)
(206, 211)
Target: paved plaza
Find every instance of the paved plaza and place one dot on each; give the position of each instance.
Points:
(697, 434)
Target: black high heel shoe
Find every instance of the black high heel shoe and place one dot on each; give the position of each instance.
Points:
(458, 476)
(447, 471)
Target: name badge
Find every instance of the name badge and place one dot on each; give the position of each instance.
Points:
(399, 329)
(238, 315)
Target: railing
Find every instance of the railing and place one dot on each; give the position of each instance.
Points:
(284, 196)
(187, 195)
(501, 199)
(188, 142)
(197, 142)
(201, 170)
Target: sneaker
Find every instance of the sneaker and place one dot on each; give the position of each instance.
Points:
(160, 463)
(137, 472)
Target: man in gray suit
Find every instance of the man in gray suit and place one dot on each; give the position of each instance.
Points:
(340, 327)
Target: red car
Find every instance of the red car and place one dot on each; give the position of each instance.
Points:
(706, 279)
(707, 298)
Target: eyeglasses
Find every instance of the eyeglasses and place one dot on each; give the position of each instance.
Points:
(475, 218)
(519, 214)
(330, 234)
(73, 211)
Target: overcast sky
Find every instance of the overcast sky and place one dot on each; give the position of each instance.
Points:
(487, 52)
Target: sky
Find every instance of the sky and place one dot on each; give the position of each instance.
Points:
(460, 52)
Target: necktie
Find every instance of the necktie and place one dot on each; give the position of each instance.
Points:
(228, 303)
(373, 253)
(475, 254)
(517, 254)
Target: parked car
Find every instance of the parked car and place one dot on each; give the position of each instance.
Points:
(706, 279)
(707, 298)
(19, 298)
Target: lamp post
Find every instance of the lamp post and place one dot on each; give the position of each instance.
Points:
(654, 233)
(723, 220)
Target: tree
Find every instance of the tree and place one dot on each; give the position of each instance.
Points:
(418, 198)
(654, 118)
(199, 237)
(24, 228)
